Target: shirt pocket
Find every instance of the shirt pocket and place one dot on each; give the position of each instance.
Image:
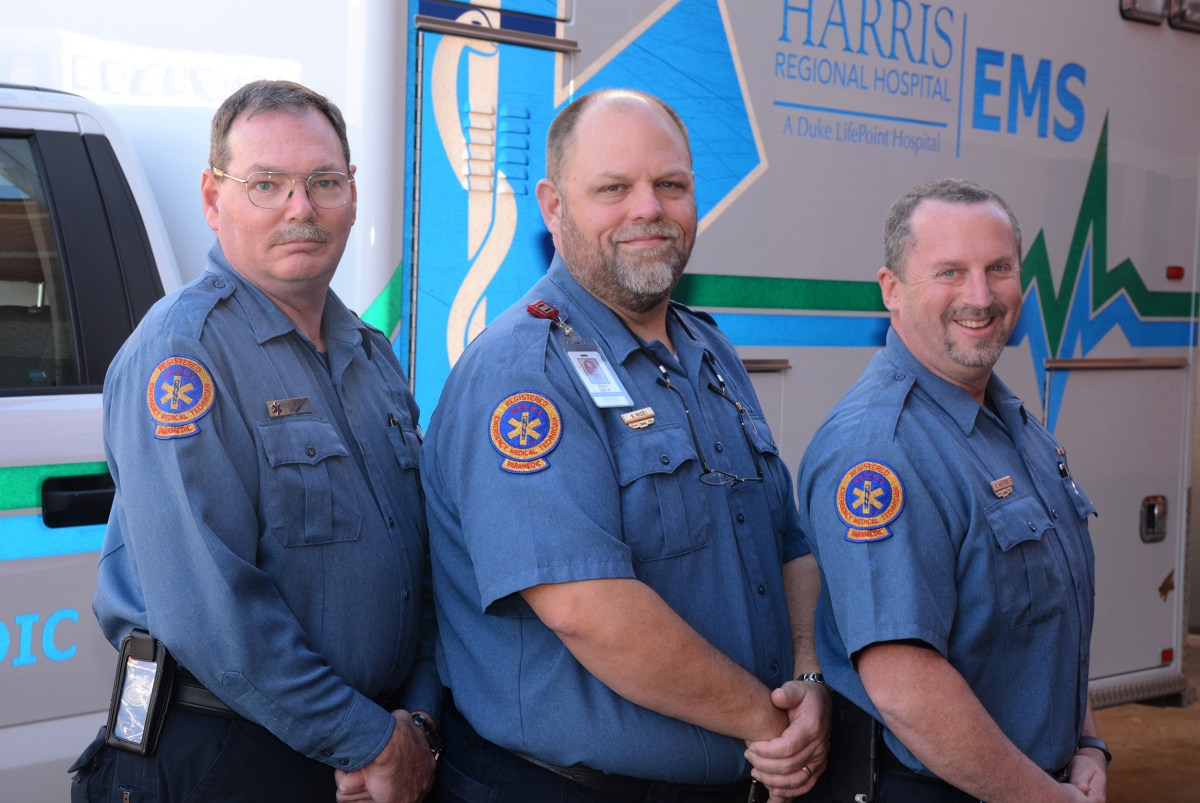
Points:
(406, 443)
(1029, 579)
(663, 510)
(308, 459)
(1083, 505)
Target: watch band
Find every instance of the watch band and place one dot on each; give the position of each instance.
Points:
(1096, 744)
(812, 677)
(431, 734)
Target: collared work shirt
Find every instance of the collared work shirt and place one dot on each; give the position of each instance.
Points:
(290, 582)
(1001, 585)
(613, 502)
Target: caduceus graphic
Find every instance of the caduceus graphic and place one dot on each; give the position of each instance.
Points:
(468, 137)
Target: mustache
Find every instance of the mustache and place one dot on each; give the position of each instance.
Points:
(638, 231)
(301, 230)
(995, 310)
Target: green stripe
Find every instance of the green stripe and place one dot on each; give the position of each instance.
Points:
(760, 292)
(21, 486)
(384, 312)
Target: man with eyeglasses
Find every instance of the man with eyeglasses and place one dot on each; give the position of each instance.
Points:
(952, 537)
(624, 596)
(268, 528)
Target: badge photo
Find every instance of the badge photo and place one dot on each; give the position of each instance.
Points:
(869, 497)
(524, 428)
(180, 392)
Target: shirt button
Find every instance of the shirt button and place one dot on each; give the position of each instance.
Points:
(218, 283)
(343, 761)
(391, 522)
(774, 667)
(1054, 514)
(1032, 527)
(310, 451)
(327, 753)
(741, 519)
(762, 590)
(900, 377)
(720, 446)
(665, 460)
(406, 594)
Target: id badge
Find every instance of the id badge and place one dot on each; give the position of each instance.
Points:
(595, 371)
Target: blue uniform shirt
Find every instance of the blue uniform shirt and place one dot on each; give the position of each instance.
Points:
(1001, 585)
(611, 502)
(292, 585)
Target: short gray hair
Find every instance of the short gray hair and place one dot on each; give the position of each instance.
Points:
(258, 97)
(898, 236)
(563, 128)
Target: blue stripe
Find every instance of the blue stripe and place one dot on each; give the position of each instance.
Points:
(867, 115)
(749, 329)
(27, 537)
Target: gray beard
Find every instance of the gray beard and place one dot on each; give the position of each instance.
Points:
(635, 286)
(985, 355)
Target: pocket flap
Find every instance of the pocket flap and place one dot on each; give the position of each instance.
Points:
(656, 450)
(300, 439)
(760, 435)
(1083, 505)
(1017, 519)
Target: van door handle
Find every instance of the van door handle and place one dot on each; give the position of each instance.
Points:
(77, 501)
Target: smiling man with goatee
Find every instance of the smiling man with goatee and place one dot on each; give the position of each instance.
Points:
(952, 537)
(624, 594)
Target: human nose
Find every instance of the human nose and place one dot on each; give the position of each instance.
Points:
(298, 205)
(977, 292)
(645, 203)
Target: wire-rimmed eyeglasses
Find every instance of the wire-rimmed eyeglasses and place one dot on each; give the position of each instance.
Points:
(270, 190)
(709, 475)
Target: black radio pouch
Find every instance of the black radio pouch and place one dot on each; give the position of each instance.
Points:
(141, 694)
(855, 750)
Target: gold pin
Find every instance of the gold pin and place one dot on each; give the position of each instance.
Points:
(639, 419)
(282, 407)
(1002, 487)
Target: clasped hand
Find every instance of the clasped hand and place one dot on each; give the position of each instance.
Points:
(790, 764)
(401, 773)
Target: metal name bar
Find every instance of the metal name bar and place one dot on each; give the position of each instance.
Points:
(503, 35)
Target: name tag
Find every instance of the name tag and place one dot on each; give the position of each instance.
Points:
(282, 407)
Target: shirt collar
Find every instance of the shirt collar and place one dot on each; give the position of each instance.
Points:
(951, 398)
(268, 321)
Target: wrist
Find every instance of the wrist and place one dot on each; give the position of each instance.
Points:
(1096, 747)
(429, 730)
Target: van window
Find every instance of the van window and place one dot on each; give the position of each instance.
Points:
(37, 340)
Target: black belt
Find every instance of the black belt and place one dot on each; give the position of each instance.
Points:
(638, 789)
(190, 695)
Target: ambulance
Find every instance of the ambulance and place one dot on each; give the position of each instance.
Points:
(807, 119)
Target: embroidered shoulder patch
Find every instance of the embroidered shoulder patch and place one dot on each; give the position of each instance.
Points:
(869, 497)
(524, 428)
(180, 392)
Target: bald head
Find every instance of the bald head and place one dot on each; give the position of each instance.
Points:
(583, 110)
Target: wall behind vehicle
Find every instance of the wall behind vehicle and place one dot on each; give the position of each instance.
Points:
(162, 70)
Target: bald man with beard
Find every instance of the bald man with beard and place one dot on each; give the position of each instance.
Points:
(625, 598)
